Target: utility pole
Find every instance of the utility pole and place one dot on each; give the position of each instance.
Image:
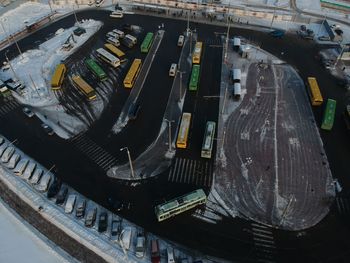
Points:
(8, 61)
(3, 28)
(169, 133)
(227, 38)
(35, 87)
(180, 72)
(319, 29)
(273, 17)
(223, 104)
(130, 161)
(75, 15)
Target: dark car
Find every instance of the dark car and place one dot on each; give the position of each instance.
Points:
(54, 188)
(133, 111)
(102, 222)
(61, 196)
(90, 217)
(116, 228)
(47, 129)
(80, 211)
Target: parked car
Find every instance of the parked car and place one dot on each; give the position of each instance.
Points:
(7, 154)
(80, 211)
(29, 171)
(3, 147)
(103, 222)
(28, 112)
(13, 161)
(70, 203)
(155, 254)
(20, 167)
(140, 246)
(90, 217)
(116, 228)
(126, 236)
(54, 187)
(61, 196)
(170, 252)
(44, 182)
(47, 129)
(36, 176)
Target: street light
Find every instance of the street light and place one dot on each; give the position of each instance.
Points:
(130, 162)
(180, 72)
(169, 133)
(8, 61)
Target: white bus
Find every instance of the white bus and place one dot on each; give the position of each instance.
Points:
(132, 38)
(108, 57)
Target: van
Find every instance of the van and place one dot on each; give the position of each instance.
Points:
(155, 255)
(112, 35)
(29, 171)
(132, 38)
(44, 182)
(7, 154)
(172, 70)
(119, 33)
(113, 41)
(38, 173)
(13, 161)
(180, 41)
(170, 252)
(20, 167)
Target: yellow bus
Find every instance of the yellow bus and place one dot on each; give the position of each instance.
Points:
(58, 76)
(84, 87)
(182, 135)
(116, 51)
(196, 57)
(132, 73)
(314, 92)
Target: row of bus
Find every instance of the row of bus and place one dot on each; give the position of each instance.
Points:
(317, 100)
(208, 139)
(196, 59)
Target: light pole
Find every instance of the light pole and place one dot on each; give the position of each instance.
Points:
(130, 162)
(3, 28)
(169, 133)
(180, 72)
(273, 17)
(8, 61)
(223, 104)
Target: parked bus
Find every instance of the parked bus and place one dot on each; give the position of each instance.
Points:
(84, 87)
(96, 69)
(328, 116)
(208, 140)
(193, 86)
(181, 204)
(147, 42)
(116, 51)
(108, 57)
(132, 74)
(58, 76)
(182, 135)
(314, 92)
(196, 57)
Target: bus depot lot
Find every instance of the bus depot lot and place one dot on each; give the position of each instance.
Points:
(76, 169)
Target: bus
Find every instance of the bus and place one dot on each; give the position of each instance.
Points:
(108, 57)
(116, 51)
(193, 86)
(96, 69)
(146, 44)
(208, 140)
(314, 92)
(182, 135)
(84, 87)
(196, 57)
(58, 76)
(180, 204)
(328, 116)
(132, 73)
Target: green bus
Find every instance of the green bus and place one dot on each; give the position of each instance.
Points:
(96, 69)
(328, 116)
(146, 43)
(194, 78)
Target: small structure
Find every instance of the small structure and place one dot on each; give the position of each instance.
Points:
(237, 91)
(245, 51)
(236, 43)
(334, 32)
(236, 75)
(79, 31)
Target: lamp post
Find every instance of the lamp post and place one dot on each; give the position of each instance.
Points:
(130, 162)
(8, 61)
(169, 133)
(180, 72)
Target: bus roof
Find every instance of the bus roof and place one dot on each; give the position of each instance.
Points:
(115, 50)
(132, 70)
(57, 75)
(314, 88)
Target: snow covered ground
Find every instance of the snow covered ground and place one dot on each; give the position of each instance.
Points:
(18, 242)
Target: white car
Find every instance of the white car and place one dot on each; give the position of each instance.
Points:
(28, 112)
(140, 246)
(13, 161)
(70, 203)
(44, 183)
(38, 173)
(172, 70)
(7, 154)
(117, 14)
(180, 41)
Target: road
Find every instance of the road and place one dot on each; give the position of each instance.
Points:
(87, 177)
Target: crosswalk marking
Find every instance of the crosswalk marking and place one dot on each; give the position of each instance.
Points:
(188, 171)
(95, 152)
(265, 247)
(8, 106)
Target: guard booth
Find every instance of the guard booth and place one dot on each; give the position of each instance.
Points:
(236, 91)
(236, 43)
